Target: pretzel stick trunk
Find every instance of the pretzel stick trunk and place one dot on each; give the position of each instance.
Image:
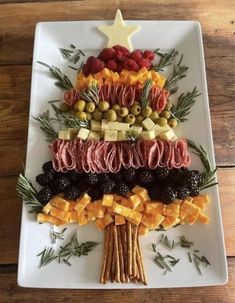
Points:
(129, 248)
(144, 280)
(125, 250)
(134, 248)
(116, 254)
(106, 246)
(110, 256)
(121, 257)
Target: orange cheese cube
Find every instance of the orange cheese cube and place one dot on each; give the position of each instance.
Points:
(119, 220)
(90, 215)
(100, 224)
(107, 200)
(143, 230)
(189, 219)
(131, 79)
(140, 208)
(43, 218)
(147, 220)
(117, 198)
(106, 73)
(182, 214)
(134, 217)
(171, 210)
(60, 214)
(82, 218)
(115, 77)
(135, 200)
(121, 210)
(203, 218)
(124, 73)
(82, 203)
(107, 219)
(190, 208)
(73, 216)
(201, 201)
(189, 199)
(98, 76)
(72, 204)
(170, 222)
(47, 208)
(90, 206)
(154, 207)
(141, 192)
(99, 210)
(126, 202)
(156, 221)
(60, 203)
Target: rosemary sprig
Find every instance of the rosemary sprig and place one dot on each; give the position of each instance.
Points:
(57, 235)
(178, 73)
(182, 108)
(185, 243)
(73, 122)
(62, 80)
(144, 97)
(164, 240)
(91, 94)
(164, 262)
(73, 55)
(66, 53)
(208, 176)
(131, 136)
(26, 190)
(166, 59)
(46, 126)
(47, 256)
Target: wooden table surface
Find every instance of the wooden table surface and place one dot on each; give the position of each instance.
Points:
(17, 25)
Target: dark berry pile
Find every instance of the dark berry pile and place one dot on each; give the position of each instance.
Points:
(162, 183)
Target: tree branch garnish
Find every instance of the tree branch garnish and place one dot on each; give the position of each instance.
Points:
(62, 80)
(72, 248)
(144, 97)
(178, 73)
(166, 59)
(26, 190)
(91, 94)
(182, 108)
(73, 55)
(73, 122)
(56, 235)
(46, 126)
(208, 176)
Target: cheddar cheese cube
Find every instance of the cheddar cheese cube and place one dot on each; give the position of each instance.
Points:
(107, 200)
(73, 216)
(99, 210)
(154, 207)
(170, 222)
(119, 220)
(91, 215)
(82, 218)
(203, 218)
(82, 203)
(141, 192)
(60, 203)
(60, 214)
(134, 217)
(44, 218)
(47, 208)
(190, 208)
(142, 230)
(171, 210)
(135, 200)
(107, 219)
(100, 224)
(120, 209)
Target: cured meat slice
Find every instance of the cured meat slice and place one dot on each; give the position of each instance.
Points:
(126, 156)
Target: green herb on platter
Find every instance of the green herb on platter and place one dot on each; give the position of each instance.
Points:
(47, 256)
(91, 94)
(62, 80)
(73, 122)
(46, 126)
(185, 243)
(26, 190)
(208, 176)
(178, 73)
(144, 97)
(165, 262)
(182, 108)
(57, 235)
(166, 59)
(164, 240)
(72, 55)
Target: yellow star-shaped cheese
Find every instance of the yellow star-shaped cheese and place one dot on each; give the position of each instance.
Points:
(119, 33)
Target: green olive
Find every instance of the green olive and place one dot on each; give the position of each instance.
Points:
(168, 106)
(88, 116)
(136, 103)
(154, 116)
(130, 119)
(161, 121)
(146, 111)
(80, 106)
(120, 119)
(103, 106)
(64, 108)
(172, 122)
(111, 115)
(135, 110)
(97, 115)
(90, 107)
(116, 107)
(123, 112)
(139, 119)
(165, 114)
(81, 115)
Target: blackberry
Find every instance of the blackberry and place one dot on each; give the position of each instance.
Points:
(121, 189)
(82, 185)
(95, 193)
(191, 178)
(61, 183)
(73, 176)
(176, 176)
(107, 186)
(49, 169)
(167, 194)
(145, 176)
(43, 179)
(129, 174)
(72, 193)
(91, 178)
(194, 192)
(117, 177)
(44, 195)
(161, 173)
(104, 178)
(154, 192)
(182, 192)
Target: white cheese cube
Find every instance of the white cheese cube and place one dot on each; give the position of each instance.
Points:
(148, 135)
(104, 125)
(122, 136)
(123, 126)
(157, 129)
(94, 136)
(168, 135)
(113, 125)
(148, 123)
(64, 135)
(136, 129)
(95, 125)
(83, 133)
(110, 135)
(73, 133)
(165, 128)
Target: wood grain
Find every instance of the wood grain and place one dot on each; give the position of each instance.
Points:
(10, 215)
(11, 292)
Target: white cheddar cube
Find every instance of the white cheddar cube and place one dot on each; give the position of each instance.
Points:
(122, 136)
(110, 135)
(148, 123)
(95, 125)
(104, 125)
(148, 135)
(165, 128)
(123, 126)
(73, 132)
(64, 135)
(168, 135)
(94, 136)
(83, 133)
(157, 129)
(136, 129)
(113, 125)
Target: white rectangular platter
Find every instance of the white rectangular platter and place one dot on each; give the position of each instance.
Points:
(185, 36)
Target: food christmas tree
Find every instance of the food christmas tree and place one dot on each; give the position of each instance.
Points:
(117, 160)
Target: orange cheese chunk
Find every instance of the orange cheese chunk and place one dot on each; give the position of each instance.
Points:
(72, 204)
(82, 203)
(119, 220)
(73, 216)
(135, 201)
(143, 230)
(107, 219)
(189, 219)
(203, 218)
(44, 218)
(60, 203)
(107, 200)
(121, 210)
(60, 214)
(140, 208)
(82, 218)
(190, 208)
(100, 224)
(99, 210)
(134, 217)
(47, 208)
(91, 215)
(170, 222)
(154, 207)
(141, 192)
(171, 210)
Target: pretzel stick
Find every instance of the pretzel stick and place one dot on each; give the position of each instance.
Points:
(110, 256)
(144, 280)
(106, 246)
(116, 254)
(129, 247)
(113, 266)
(121, 257)
(134, 248)
(125, 253)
